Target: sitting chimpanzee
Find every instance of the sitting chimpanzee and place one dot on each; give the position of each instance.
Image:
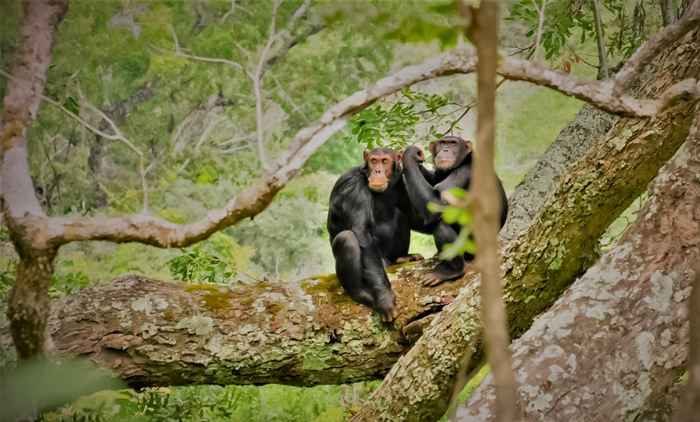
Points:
(452, 158)
(369, 228)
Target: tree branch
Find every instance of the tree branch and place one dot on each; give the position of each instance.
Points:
(161, 233)
(257, 79)
(306, 332)
(484, 202)
(540, 26)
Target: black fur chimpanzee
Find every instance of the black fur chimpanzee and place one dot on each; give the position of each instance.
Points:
(452, 158)
(369, 228)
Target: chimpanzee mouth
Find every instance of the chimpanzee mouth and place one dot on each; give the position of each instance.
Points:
(443, 163)
(378, 188)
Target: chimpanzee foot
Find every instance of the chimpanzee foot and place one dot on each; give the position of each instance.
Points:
(389, 316)
(444, 271)
(410, 258)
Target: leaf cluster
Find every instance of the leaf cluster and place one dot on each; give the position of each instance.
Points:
(393, 125)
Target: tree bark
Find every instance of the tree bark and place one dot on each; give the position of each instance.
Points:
(690, 405)
(617, 339)
(578, 137)
(153, 332)
(542, 262)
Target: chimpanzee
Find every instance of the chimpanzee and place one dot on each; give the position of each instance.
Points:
(452, 158)
(369, 227)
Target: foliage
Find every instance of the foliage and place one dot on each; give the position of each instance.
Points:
(290, 238)
(213, 403)
(625, 22)
(456, 212)
(218, 259)
(393, 123)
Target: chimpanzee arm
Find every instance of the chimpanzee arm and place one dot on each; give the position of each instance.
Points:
(459, 177)
(420, 191)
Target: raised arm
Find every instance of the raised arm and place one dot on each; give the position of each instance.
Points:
(419, 188)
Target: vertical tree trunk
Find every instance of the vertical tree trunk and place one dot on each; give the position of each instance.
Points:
(29, 304)
(28, 309)
(486, 208)
(616, 340)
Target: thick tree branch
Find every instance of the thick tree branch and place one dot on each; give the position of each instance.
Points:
(303, 333)
(158, 232)
(21, 104)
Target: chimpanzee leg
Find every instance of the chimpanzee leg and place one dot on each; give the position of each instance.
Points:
(377, 282)
(348, 267)
(445, 270)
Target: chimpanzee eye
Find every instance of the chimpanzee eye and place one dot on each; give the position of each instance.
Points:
(385, 161)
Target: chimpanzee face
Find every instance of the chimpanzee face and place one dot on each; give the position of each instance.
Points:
(449, 152)
(381, 164)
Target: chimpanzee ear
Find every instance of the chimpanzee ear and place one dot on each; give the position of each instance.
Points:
(365, 155)
(398, 160)
(468, 145)
(432, 147)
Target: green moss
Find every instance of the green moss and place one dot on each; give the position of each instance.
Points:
(321, 284)
(215, 298)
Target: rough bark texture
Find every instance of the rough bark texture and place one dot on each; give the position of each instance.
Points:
(28, 303)
(690, 406)
(589, 125)
(542, 262)
(617, 339)
(304, 333)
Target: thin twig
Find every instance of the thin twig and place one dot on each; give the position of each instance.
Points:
(600, 42)
(540, 26)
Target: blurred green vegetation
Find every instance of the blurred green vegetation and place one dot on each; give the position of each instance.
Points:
(195, 123)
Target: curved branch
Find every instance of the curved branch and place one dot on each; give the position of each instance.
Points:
(158, 232)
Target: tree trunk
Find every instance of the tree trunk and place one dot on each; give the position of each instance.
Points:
(617, 339)
(541, 263)
(29, 299)
(28, 302)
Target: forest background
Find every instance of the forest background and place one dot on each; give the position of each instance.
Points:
(200, 130)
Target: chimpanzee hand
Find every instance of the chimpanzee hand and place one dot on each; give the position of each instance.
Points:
(413, 153)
